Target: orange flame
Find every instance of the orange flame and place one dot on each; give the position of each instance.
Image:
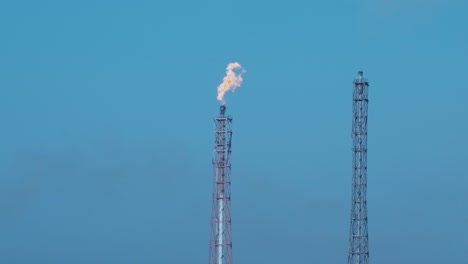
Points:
(231, 81)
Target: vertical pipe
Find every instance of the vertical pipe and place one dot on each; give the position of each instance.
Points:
(360, 171)
(220, 231)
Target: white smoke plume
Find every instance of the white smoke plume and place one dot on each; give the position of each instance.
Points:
(231, 81)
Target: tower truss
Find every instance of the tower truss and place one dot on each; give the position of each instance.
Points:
(220, 232)
(358, 237)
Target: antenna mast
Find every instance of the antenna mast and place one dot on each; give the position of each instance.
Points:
(358, 237)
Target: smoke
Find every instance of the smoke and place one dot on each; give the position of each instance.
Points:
(231, 81)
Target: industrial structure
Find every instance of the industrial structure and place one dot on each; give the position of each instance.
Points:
(358, 237)
(220, 232)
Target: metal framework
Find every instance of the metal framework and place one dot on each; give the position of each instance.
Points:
(220, 231)
(358, 237)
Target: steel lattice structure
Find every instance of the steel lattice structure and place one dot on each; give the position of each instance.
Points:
(221, 232)
(358, 237)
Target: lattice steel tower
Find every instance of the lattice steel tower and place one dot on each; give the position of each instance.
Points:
(358, 237)
(221, 235)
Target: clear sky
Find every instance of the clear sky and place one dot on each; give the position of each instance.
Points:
(106, 129)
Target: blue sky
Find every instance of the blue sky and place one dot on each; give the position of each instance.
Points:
(106, 137)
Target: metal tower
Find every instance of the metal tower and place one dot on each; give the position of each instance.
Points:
(221, 235)
(358, 238)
